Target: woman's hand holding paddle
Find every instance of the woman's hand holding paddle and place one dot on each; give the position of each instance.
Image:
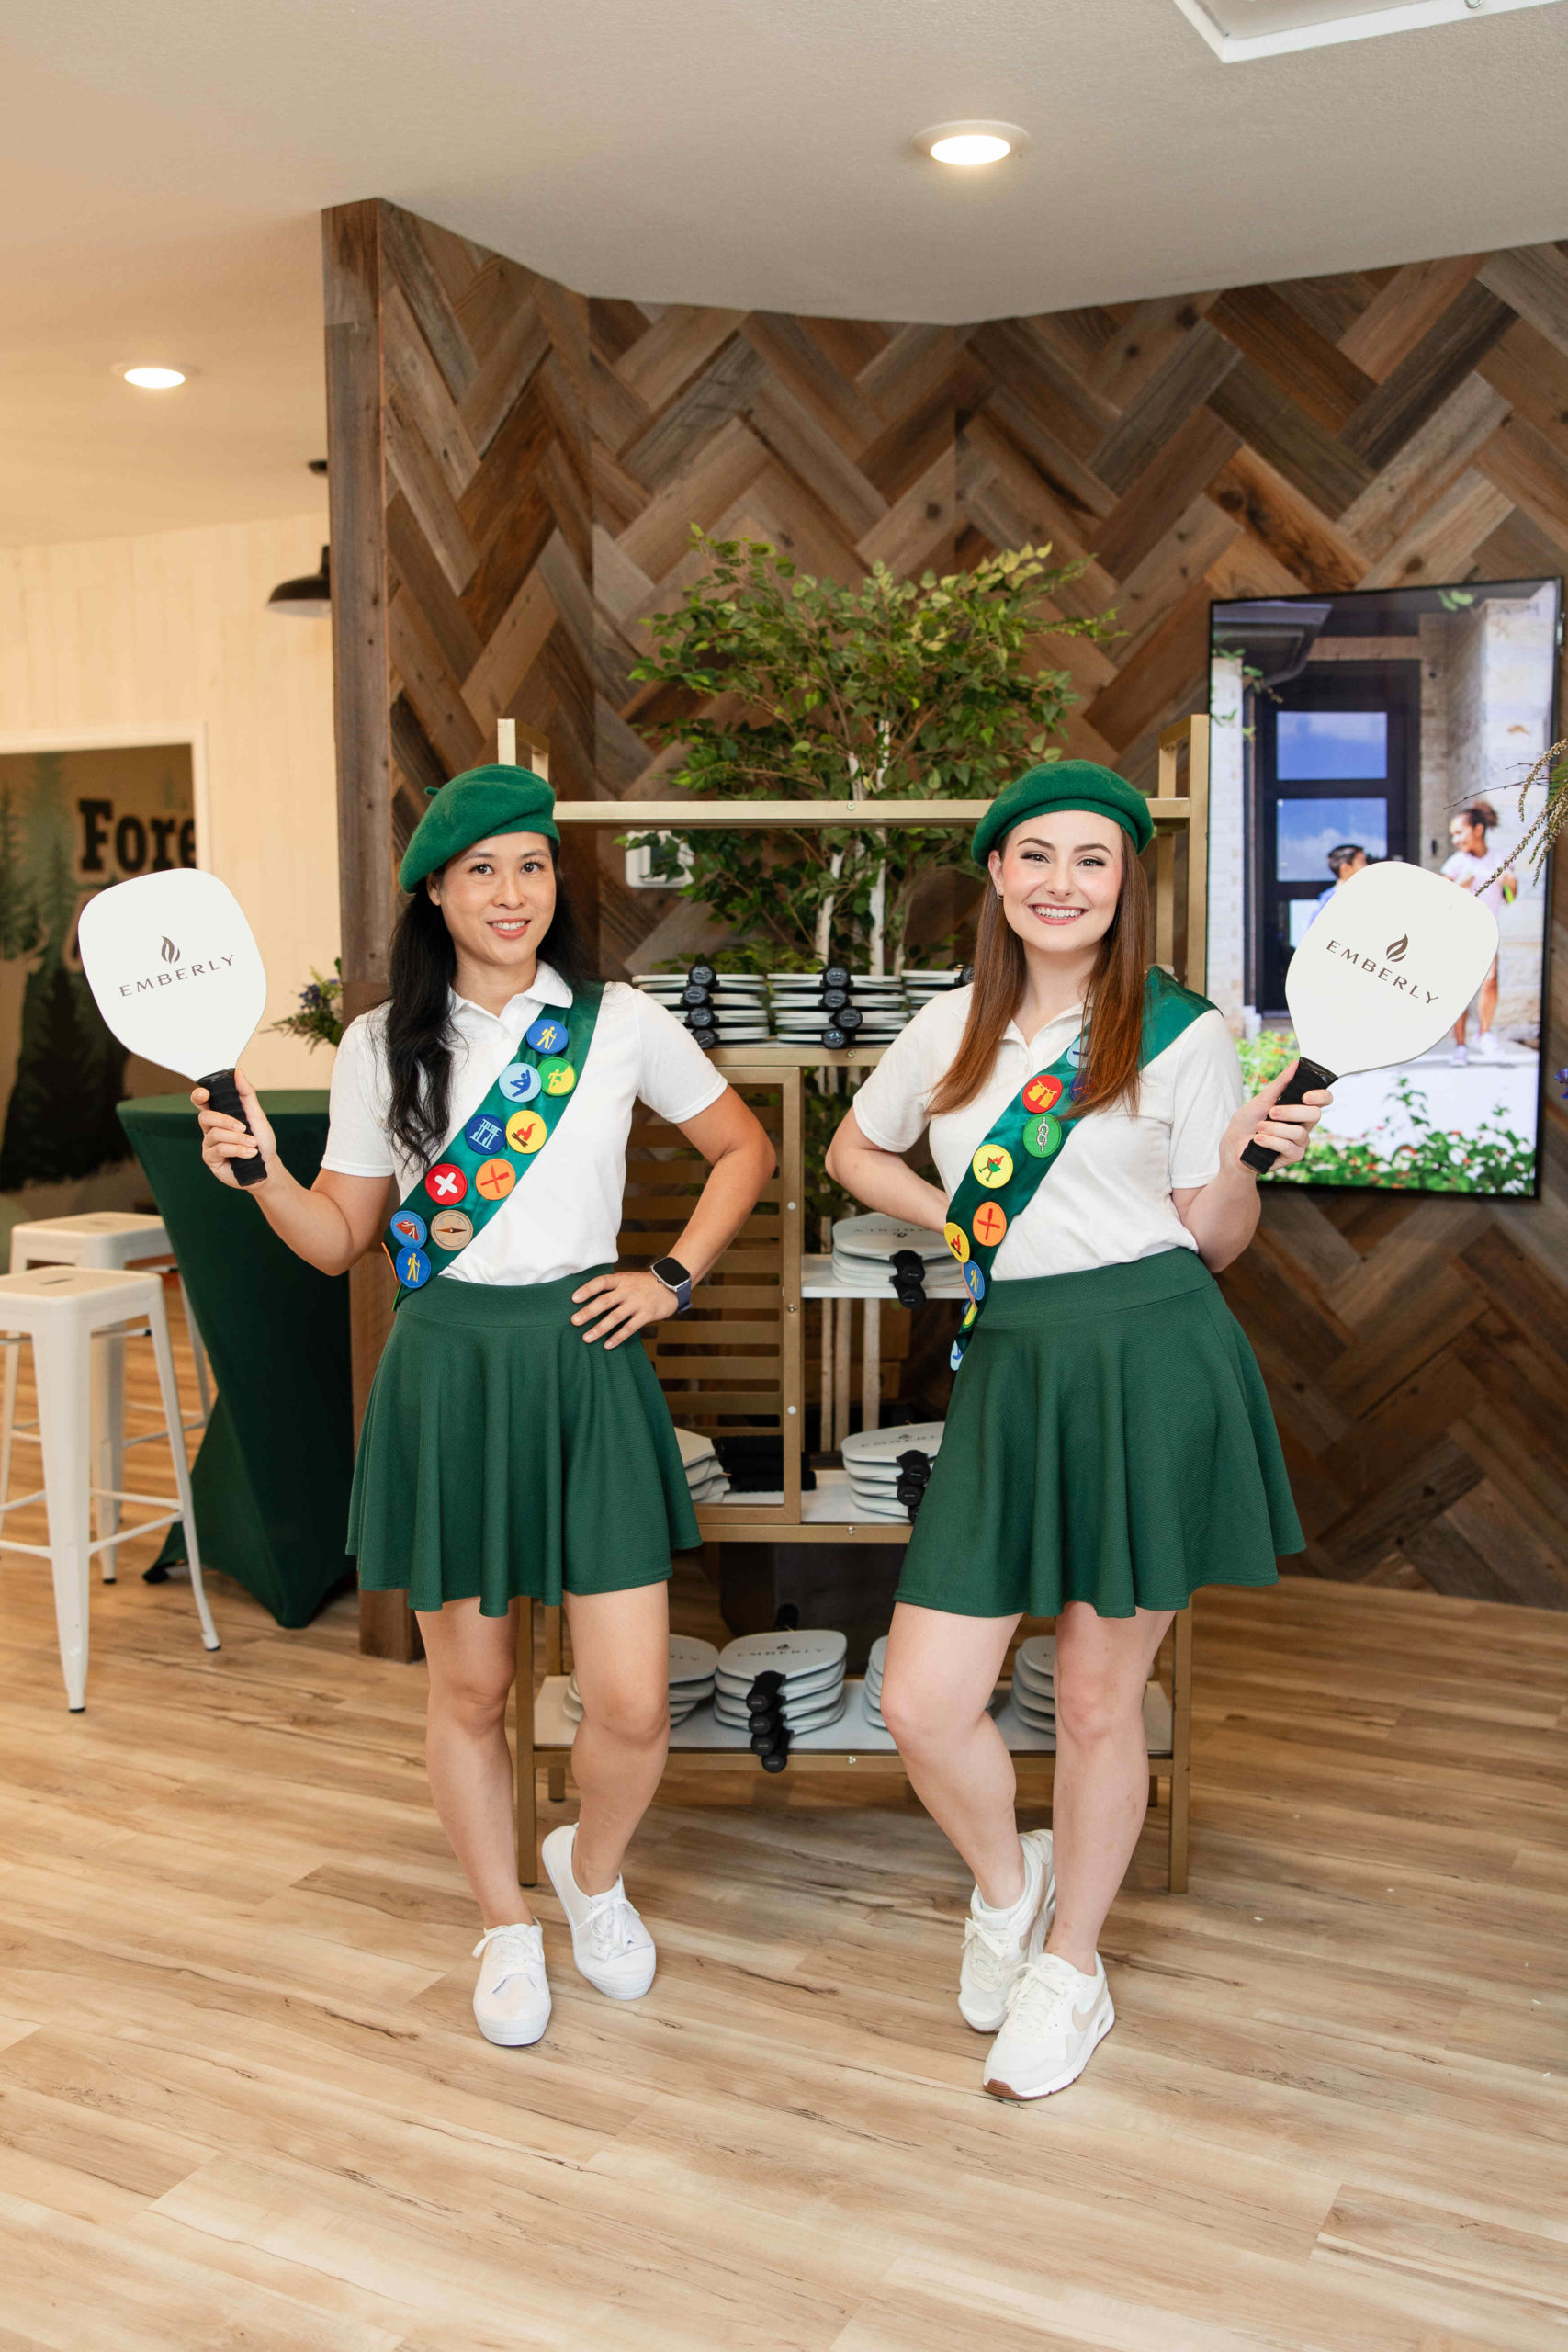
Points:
(1280, 1127)
(225, 1140)
(622, 1304)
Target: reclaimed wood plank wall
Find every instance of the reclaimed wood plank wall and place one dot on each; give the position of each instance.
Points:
(540, 460)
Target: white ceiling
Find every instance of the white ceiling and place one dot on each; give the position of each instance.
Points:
(161, 167)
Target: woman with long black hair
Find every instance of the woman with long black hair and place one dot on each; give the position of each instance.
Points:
(1109, 1446)
(514, 1442)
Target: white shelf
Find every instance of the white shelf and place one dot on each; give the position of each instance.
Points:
(831, 1503)
(853, 1734)
(818, 1279)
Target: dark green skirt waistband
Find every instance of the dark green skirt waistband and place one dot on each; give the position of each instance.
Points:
(496, 1305)
(1053, 1299)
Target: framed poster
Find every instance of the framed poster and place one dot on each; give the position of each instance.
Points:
(1388, 723)
(72, 822)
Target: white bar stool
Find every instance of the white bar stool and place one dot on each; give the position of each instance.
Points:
(114, 1237)
(60, 1309)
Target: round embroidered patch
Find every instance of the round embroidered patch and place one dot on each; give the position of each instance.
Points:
(548, 1034)
(413, 1269)
(526, 1131)
(1041, 1137)
(446, 1185)
(1074, 1051)
(956, 1240)
(494, 1179)
(1042, 1093)
(974, 1281)
(956, 1358)
(408, 1227)
(990, 1224)
(561, 1080)
(451, 1230)
(484, 1132)
(519, 1081)
(992, 1166)
(970, 1312)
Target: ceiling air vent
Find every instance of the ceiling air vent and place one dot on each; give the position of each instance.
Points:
(1240, 29)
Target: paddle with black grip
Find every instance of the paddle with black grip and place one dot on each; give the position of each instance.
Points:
(179, 979)
(1388, 963)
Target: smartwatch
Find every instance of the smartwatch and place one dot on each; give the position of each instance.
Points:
(673, 1275)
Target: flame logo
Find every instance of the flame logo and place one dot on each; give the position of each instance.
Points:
(169, 952)
(1395, 952)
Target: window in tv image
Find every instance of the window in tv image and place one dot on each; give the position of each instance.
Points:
(1350, 730)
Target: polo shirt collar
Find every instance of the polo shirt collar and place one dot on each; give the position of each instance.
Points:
(1066, 1027)
(548, 988)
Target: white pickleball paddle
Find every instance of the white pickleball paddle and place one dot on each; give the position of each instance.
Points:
(178, 977)
(1390, 961)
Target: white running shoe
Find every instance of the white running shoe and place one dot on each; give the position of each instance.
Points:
(1460, 1057)
(512, 1999)
(1055, 2017)
(995, 1950)
(610, 1944)
(1486, 1046)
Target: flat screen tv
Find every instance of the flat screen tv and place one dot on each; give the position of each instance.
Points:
(1388, 723)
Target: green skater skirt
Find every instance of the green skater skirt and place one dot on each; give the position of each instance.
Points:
(1110, 1440)
(501, 1454)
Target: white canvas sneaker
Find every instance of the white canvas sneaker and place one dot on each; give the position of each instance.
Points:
(993, 1952)
(1055, 2017)
(512, 1999)
(609, 1944)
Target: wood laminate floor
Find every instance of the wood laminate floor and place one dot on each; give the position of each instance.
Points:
(242, 2102)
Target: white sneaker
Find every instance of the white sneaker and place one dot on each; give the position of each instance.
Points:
(1486, 1046)
(1055, 2017)
(610, 1944)
(1460, 1057)
(512, 1999)
(995, 1949)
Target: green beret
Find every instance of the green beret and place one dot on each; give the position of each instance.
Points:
(1062, 784)
(469, 809)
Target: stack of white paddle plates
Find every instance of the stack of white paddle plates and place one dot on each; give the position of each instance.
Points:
(1034, 1681)
(811, 1693)
(865, 1247)
(705, 1473)
(799, 1016)
(739, 1001)
(872, 1694)
(871, 1457)
(920, 987)
(692, 1666)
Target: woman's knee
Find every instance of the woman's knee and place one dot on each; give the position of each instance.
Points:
(635, 1713)
(918, 1718)
(1094, 1706)
(475, 1703)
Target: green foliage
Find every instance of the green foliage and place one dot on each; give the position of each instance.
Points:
(319, 1018)
(1265, 1055)
(1489, 1158)
(792, 688)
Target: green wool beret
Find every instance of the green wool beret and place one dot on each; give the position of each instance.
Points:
(473, 806)
(1062, 784)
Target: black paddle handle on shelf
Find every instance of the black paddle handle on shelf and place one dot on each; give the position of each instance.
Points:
(1309, 1076)
(222, 1094)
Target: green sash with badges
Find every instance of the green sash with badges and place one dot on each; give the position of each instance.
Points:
(1029, 1138)
(494, 1148)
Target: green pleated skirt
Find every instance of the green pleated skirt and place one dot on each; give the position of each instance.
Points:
(1110, 1440)
(503, 1455)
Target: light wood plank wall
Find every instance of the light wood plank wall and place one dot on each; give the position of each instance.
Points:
(542, 459)
(171, 629)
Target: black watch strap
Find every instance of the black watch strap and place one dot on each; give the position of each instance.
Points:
(673, 1275)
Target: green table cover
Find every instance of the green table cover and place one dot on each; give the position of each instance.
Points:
(271, 1481)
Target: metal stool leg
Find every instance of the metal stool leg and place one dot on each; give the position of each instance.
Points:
(108, 1439)
(170, 1392)
(12, 1347)
(60, 1366)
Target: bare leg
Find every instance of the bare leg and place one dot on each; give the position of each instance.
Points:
(1487, 1012)
(1101, 1789)
(620, 1649)
(940, 1674)
(473, 1660)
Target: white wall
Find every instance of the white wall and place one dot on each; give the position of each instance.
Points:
(170, 630)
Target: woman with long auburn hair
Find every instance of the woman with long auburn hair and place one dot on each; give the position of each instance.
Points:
(1109, 1446)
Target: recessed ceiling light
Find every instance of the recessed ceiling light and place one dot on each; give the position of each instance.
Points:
(967, 145)
(1236, 30)
(152, 380)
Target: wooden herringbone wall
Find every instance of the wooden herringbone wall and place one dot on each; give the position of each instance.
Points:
(516, 475)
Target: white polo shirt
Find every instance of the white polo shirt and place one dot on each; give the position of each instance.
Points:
(1106, 1200)
(565, 1214)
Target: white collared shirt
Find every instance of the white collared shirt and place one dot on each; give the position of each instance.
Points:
(565, 1214)
(1106, 1200)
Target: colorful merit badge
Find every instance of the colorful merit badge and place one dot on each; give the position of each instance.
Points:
(1042, 1093)
(991, 1166)
(1042, 1137)
(494, 1148)
(974, 1281)
(990, 1224)
(956, 1240)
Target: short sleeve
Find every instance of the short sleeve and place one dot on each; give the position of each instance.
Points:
(675, 1078)
(357, 1143)
(890, 1108)
(1207, 1090)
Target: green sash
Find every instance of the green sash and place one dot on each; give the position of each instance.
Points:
(494, 1148)
(1029, 1138)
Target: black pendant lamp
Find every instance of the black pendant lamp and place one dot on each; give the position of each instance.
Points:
(307, 599)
